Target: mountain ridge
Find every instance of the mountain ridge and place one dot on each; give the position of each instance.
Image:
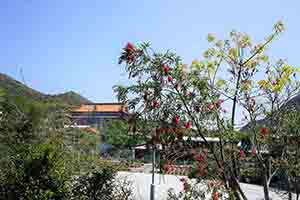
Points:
(14, 87)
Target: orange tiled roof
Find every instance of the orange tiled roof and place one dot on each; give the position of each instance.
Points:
(91, 130)
(104, 107)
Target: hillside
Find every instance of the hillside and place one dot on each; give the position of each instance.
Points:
(16, 88)
(292, 103)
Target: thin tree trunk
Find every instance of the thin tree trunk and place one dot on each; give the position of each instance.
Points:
(236, 188)
(266, 187)
(241, 191)
(289, 188)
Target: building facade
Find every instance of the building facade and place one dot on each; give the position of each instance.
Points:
(97, 115)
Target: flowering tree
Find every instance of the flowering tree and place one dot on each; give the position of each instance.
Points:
(178, 100)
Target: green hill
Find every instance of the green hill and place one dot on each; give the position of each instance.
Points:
(292, 104)
(32, 116)
(13, 87)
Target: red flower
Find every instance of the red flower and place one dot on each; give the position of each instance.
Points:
(219, 102)
(166, 69)
(200, 174)
(129, 47)
(177, 120)
(215, 196)
(211, 106)
(193, 151)
(170, 79)
(129, 54)
(264, 131)
(188, 125)
(242, 153)
(199, 158)
(168, 168)
(155, 104)
(130, 58)
(201, 167)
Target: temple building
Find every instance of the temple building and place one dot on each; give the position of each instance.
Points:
(97, 115)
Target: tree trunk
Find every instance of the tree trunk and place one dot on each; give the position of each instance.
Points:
(241, 191)
(289, 188)
(266, 187)
(236, 189)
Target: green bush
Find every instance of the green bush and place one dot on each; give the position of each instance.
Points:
(39, 159)
(37, 173)
(96, 185)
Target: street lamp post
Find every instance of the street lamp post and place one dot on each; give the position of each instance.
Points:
(152, 187)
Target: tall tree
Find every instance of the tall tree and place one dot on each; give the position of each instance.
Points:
(174, 96)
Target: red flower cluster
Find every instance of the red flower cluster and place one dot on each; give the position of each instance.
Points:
(168, 168)
(188, 125)
(202, 163)
(219, 102)
(155, 104)
(199, 158)
(210, 106)
(215, 105)
(129, 47)
(129, 53)
(166, 69)
(264, 131)
(193, 152)
(242, 154)
(177, 120)
(202, 169)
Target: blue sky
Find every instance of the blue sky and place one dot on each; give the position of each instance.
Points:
(64, 45)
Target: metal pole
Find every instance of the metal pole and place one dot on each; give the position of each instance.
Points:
(152, 188)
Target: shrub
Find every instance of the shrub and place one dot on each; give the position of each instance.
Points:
(38, 173)
(96, 185)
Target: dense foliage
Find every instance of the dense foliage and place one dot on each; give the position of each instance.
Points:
(41, 158)
(120, 135)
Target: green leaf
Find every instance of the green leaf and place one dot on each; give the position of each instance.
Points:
(220, 83)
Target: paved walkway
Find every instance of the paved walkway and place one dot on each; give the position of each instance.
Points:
(141, 184)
